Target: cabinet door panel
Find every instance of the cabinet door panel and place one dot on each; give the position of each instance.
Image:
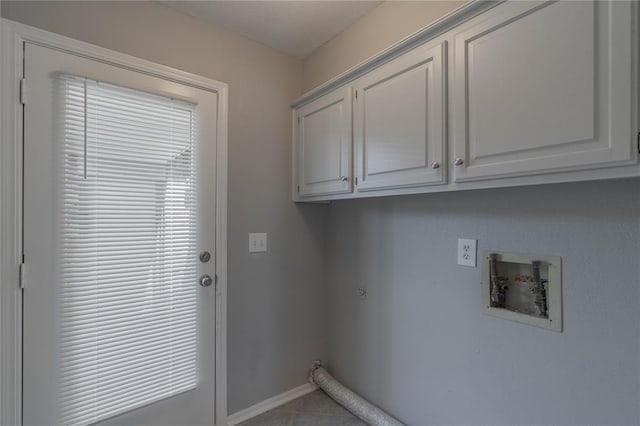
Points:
(324, 145)
(399, 119)
(536, 86)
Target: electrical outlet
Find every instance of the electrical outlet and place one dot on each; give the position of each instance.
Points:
(257, 242)
(467, 252)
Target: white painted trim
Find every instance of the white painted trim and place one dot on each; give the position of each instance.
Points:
(269, 404)
(14, 35)
(221, 257)
(10, 228)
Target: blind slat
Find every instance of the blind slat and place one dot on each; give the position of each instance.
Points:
(130, 400)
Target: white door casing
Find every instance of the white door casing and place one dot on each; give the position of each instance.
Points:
(168, 82)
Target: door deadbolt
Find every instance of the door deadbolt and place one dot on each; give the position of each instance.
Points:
(205, 256)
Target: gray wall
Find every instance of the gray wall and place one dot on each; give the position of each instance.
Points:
(419, 345)
(276, 300)
(384, 25)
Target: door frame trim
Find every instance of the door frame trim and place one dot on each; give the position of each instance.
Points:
(14, 36)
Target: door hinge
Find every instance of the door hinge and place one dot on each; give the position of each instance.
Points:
(356, 94)
(23, 91)
(298, 120)
(298, 188)
(356, 180)
(638, 143)
(21, 276)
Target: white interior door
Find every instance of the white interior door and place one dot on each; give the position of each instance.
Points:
(119, 200)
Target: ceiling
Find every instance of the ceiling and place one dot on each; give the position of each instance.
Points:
(293, 27)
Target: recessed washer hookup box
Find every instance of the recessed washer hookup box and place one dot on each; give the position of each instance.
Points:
(523, 288)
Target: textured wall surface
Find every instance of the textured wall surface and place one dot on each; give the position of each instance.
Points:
(276, 299)
(388, 23)
(420, 346)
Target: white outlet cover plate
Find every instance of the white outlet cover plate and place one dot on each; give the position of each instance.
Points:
(257, 242)
(467, 252)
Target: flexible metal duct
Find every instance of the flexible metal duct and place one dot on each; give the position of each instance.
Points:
(361, 408)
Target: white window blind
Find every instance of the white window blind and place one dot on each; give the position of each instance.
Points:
(128, 284)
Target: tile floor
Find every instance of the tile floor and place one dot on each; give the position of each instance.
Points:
(314, 409)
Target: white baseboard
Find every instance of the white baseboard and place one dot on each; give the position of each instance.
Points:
(269, 404)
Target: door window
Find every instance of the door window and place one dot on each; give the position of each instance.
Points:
(127, 308)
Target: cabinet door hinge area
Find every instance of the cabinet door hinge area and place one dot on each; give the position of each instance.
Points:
(23, 91)
(638, 143)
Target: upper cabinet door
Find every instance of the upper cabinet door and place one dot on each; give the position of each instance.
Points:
(399, 119)
(324, 145)
(543, 87)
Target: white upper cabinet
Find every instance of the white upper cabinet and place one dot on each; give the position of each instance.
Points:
(543, 87)
(323, 145)
(399, 121)
(495, 94)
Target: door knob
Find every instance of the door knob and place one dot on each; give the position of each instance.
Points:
(435, 165)
(343, 179)
(206, 280)
(458, 161)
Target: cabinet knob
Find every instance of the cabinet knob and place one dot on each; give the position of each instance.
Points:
(435, 165)
(343, 179)
(458, 161)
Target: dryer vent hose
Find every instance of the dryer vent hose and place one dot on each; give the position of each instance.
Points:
(361, 408)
